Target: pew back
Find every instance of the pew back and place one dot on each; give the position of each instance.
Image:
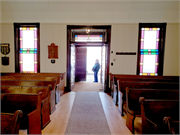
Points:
(132, 101)
(28, 78)
(29, 83)
(27, 89)
(154, 110)
(35, 83)
(30, 104)
(133, 95)
(33, 90)
(120, 96)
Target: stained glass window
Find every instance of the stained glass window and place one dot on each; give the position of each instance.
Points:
(88, 38)
(28, 49)
(149, 51)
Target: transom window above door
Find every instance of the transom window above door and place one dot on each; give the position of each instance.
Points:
(88, 38)
(88, 34)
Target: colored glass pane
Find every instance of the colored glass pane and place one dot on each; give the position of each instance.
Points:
(28, 50)
(149, 51)
(28, 62)
(150, 39)
(149, 63)
(88, 38)
(28, 38)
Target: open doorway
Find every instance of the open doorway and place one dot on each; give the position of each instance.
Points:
(98, 37)
(93, 53)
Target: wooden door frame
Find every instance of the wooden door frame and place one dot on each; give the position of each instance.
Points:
(108, 29)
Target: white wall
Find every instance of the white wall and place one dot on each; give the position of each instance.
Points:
(90, 11)
(171, 56)
(124, 17)
(124, 38)
(7, 36)
(53, 33)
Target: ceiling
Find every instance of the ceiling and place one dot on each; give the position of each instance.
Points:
(89, 11)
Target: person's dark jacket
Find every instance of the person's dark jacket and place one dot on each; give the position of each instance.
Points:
(96, 67)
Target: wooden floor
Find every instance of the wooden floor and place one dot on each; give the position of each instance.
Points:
(59, 118)
(87, 86)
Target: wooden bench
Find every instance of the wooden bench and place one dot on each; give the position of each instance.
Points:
(33, 90)
(60, 80)
(35, 83)
(142, 76)
(114, 77)
(30, 104)
(171, 125)
(61, 77)
(132, 101)
(153, 112)
(139, 79)
(10, 122)
(39, 78)
(121, 94)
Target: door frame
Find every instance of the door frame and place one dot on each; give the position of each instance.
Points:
(108, 30)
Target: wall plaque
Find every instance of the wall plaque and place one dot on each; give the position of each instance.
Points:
(52, 51)
(5, 48)
(5, 61)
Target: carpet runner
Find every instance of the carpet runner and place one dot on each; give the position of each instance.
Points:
(87, 115)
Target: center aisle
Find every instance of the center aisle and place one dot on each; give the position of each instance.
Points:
(60, 117)
(87, 115)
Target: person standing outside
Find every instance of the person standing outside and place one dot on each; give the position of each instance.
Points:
(95, 69)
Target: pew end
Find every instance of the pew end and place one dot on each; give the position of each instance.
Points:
(153, 112)
(10, 122)
(30, 104)
(173, 126)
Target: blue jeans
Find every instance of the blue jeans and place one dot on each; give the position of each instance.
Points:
(95, 77)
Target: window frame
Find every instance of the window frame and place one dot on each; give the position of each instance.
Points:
(17, 44)
(162, 38)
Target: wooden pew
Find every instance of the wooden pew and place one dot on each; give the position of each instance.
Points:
(10, 122)
(33, 90)
(39, 78)
(35, 83)
(60, 80)
(143, 76)
(121, 95)
(154, 110)
(171, 125)
(114, 77)
(132, 101)
(30, 104)
(115, 90)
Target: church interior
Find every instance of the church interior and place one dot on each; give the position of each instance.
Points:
(49, 52)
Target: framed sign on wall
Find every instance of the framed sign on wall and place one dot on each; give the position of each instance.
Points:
(52, 52)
